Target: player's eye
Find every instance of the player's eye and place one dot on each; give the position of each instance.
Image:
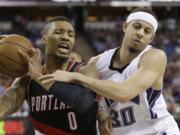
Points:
(147, 31)
(71, 34)
(59, 31)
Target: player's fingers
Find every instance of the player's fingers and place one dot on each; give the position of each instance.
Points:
(104, 128)
(32, 51)
(24, 55)
(48, 81)
(110, 124)
(107, 129)
(35, 51)
(38, 52)
(105, 132)
(3, 36)
(47, 76)
(101, 130)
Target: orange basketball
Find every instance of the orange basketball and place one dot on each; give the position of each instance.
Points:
(11, 62)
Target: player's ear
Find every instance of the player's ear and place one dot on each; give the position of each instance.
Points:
(44, 39)
(152, 38)
(124, 26)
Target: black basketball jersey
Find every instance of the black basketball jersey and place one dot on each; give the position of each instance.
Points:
(53, 117)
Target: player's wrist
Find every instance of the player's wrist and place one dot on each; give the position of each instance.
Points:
(102, 116)
(77, 77)
(35, 76)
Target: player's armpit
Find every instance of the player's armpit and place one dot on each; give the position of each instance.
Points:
(12, 99)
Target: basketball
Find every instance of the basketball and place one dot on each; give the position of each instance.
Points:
(11, 62)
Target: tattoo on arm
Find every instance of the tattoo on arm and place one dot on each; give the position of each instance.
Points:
(12, 99)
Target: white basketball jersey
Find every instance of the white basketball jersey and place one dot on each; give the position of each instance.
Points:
(146, 114)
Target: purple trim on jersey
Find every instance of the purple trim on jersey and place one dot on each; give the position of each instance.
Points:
(109, 102)
(136, 100)
(152, 96)
(164, 133)
(153, 114)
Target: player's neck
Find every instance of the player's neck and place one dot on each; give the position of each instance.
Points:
(55, 64)
(126, 54)
(124, 57)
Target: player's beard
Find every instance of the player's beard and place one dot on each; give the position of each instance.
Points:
(133, 50)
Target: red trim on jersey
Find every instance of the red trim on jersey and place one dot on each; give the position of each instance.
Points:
(70, 65)
(78, 67)
(47, 130)
(97, 97)
(43, 69)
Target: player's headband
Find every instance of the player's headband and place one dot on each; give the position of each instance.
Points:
(144, 16)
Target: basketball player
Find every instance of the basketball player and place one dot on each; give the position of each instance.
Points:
(132, 80)
(48, 111)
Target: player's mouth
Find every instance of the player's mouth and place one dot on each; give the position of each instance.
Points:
(63, 48)
(136, 41)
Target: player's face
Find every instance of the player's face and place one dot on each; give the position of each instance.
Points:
(137, 35)
(60, 39)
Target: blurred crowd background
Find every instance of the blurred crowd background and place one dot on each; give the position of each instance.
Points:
(99, 28)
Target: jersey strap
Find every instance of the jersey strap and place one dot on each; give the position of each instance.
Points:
(74, 66)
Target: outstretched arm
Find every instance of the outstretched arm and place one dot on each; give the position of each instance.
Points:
(12, 99)
(151, 69)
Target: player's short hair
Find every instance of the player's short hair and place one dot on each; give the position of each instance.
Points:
(55, 19)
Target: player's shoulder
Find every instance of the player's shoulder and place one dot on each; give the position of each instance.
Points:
(154, 54)
(154, 57)
(93, 60)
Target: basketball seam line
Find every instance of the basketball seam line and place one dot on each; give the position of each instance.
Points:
(15, 44)
(6, 72)
(13, 60)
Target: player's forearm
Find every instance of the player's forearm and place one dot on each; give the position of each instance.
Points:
(74, 95)
(77, 96)
(5, 109)
(10, 102)
(109, 89)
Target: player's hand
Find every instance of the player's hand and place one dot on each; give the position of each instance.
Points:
(105, 126)
(59, 75)
(3, 36)
(34, 62)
